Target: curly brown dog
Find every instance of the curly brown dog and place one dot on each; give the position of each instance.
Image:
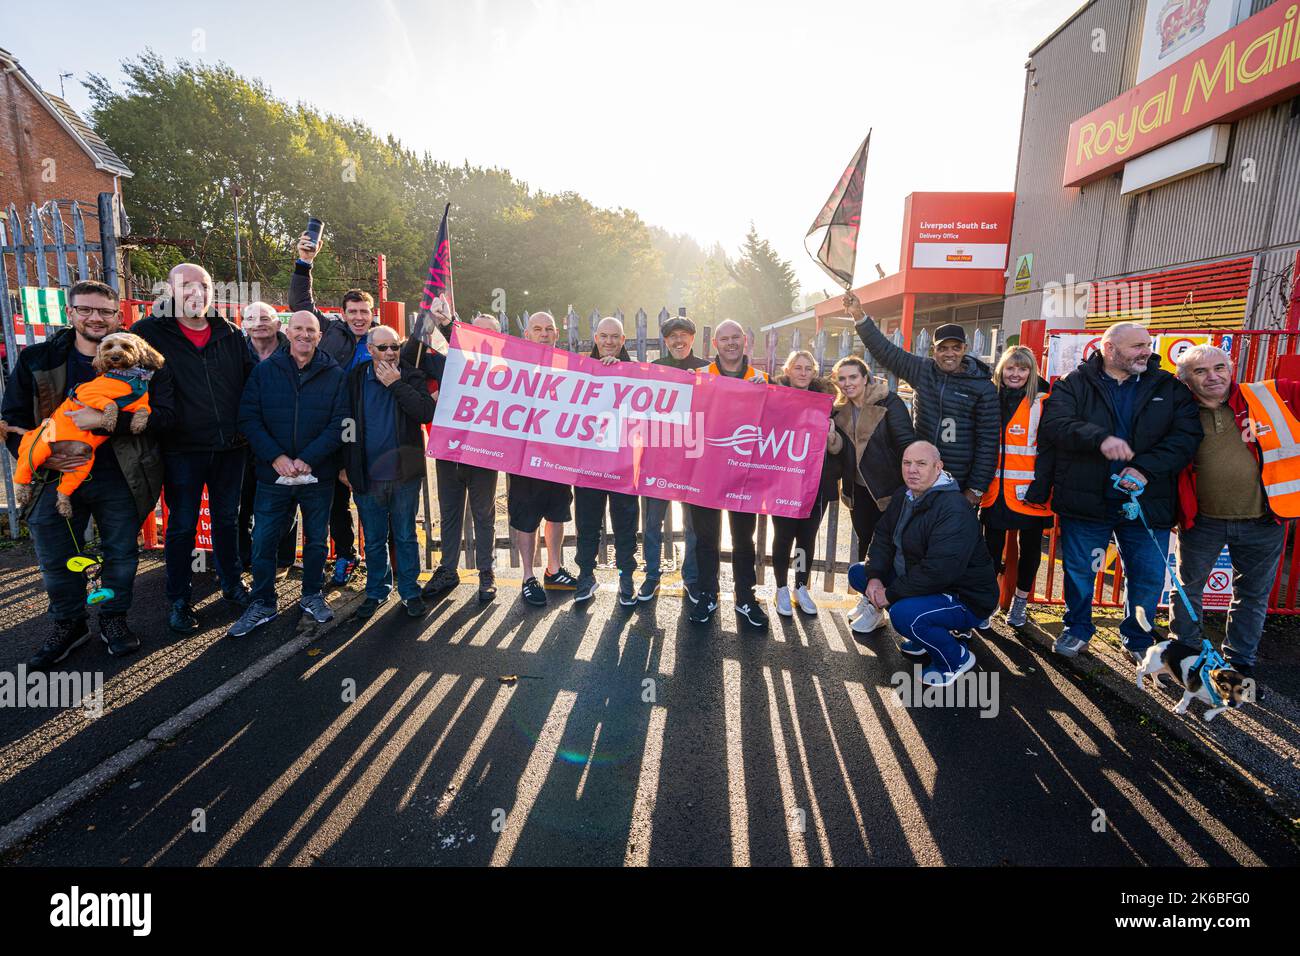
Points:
(125, 363)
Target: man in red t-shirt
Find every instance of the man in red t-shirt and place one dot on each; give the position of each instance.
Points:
(195, 400)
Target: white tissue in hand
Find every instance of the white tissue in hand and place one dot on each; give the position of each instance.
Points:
(296, 480)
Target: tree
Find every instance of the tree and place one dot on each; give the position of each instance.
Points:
(767, 278)
(192, 132)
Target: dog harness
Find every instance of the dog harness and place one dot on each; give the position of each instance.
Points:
(1209, 660)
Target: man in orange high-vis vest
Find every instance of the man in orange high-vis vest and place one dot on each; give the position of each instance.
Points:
(1238, 491)
(730, 361)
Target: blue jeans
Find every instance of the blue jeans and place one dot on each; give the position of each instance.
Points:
(929, 620)
(1255, 548)
(653, 512)
(109, 501)
(273, 508)
(384, 503)
(184, 475)
(1083, 550)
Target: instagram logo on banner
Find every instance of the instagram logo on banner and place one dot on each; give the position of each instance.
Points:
(536, 461)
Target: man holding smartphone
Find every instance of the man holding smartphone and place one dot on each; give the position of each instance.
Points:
(345, 341)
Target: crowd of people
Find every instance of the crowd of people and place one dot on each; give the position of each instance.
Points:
(289, 427)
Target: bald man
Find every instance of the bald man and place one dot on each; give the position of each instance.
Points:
(195, 400)
(1118, 415)
(928, 566)
(731, 362)
(589, 504)
(458, 483)
(292, 411)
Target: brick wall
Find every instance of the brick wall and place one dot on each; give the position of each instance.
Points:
(39, 160)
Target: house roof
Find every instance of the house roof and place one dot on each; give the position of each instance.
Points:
(99, 151)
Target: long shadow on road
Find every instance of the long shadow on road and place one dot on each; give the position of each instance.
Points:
(630, 736)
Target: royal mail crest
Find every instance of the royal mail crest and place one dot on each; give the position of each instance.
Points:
(1179, 22)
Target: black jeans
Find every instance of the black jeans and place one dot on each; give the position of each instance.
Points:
(110, 503)
(184, 476)
(795, 531)
(865, 516)
(342, 531)
(708, 549)
(589, 518)
(456, 482)
(1030, 544)
(288, 549)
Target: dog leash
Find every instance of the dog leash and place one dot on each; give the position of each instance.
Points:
(1133, 512)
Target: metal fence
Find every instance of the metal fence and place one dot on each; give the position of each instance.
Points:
(1255, 355)
(48, 248)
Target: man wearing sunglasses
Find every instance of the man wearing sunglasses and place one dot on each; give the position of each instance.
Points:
(121, 492)
(384, 464)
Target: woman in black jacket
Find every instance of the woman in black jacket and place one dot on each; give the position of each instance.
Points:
(874, 428)
(800, 371)
(1020, 397)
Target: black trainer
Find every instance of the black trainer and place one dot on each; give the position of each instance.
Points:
(626, 592)
(561, 580)
(367, 608)
(692, 592)
(414, 606)
(67, 637)
(752, 612)
(117, 636)
(238, 595)
(487, 590)
(585, 591)
(534, 593)
(705, 605)
(182, 619)
(649, 588)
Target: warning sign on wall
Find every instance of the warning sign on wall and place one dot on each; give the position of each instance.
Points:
(1170, 347)
(1024, 271)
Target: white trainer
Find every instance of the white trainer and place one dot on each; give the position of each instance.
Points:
(783, 602)
(869, 620)
(862, 606)
(806, 603)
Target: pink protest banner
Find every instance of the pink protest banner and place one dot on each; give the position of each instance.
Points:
(634, 427)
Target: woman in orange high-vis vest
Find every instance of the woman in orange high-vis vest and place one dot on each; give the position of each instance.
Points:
(1016, 500)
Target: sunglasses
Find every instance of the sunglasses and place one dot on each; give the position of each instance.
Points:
(385, 348)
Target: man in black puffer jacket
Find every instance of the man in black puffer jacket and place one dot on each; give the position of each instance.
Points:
(929, 566)
(1119, 413)
(292, 412)
(195, 401)
(955, 405)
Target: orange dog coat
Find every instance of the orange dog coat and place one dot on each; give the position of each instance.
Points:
(128, 390)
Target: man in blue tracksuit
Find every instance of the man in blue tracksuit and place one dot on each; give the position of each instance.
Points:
(292, 414)
(929, 566)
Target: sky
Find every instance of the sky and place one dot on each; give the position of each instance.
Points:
(700, 115)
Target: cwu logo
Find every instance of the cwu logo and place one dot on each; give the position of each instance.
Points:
(770, 444)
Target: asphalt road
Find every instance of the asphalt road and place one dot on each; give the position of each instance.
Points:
(629, 737)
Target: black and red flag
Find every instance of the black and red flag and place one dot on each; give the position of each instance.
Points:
(841, 217)
(437, 301)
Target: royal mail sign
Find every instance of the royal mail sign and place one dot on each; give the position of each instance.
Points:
(1247, 68)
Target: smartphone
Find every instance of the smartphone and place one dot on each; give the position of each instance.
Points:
(315, 230)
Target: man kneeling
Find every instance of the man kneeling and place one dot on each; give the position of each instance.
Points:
(927, 565)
